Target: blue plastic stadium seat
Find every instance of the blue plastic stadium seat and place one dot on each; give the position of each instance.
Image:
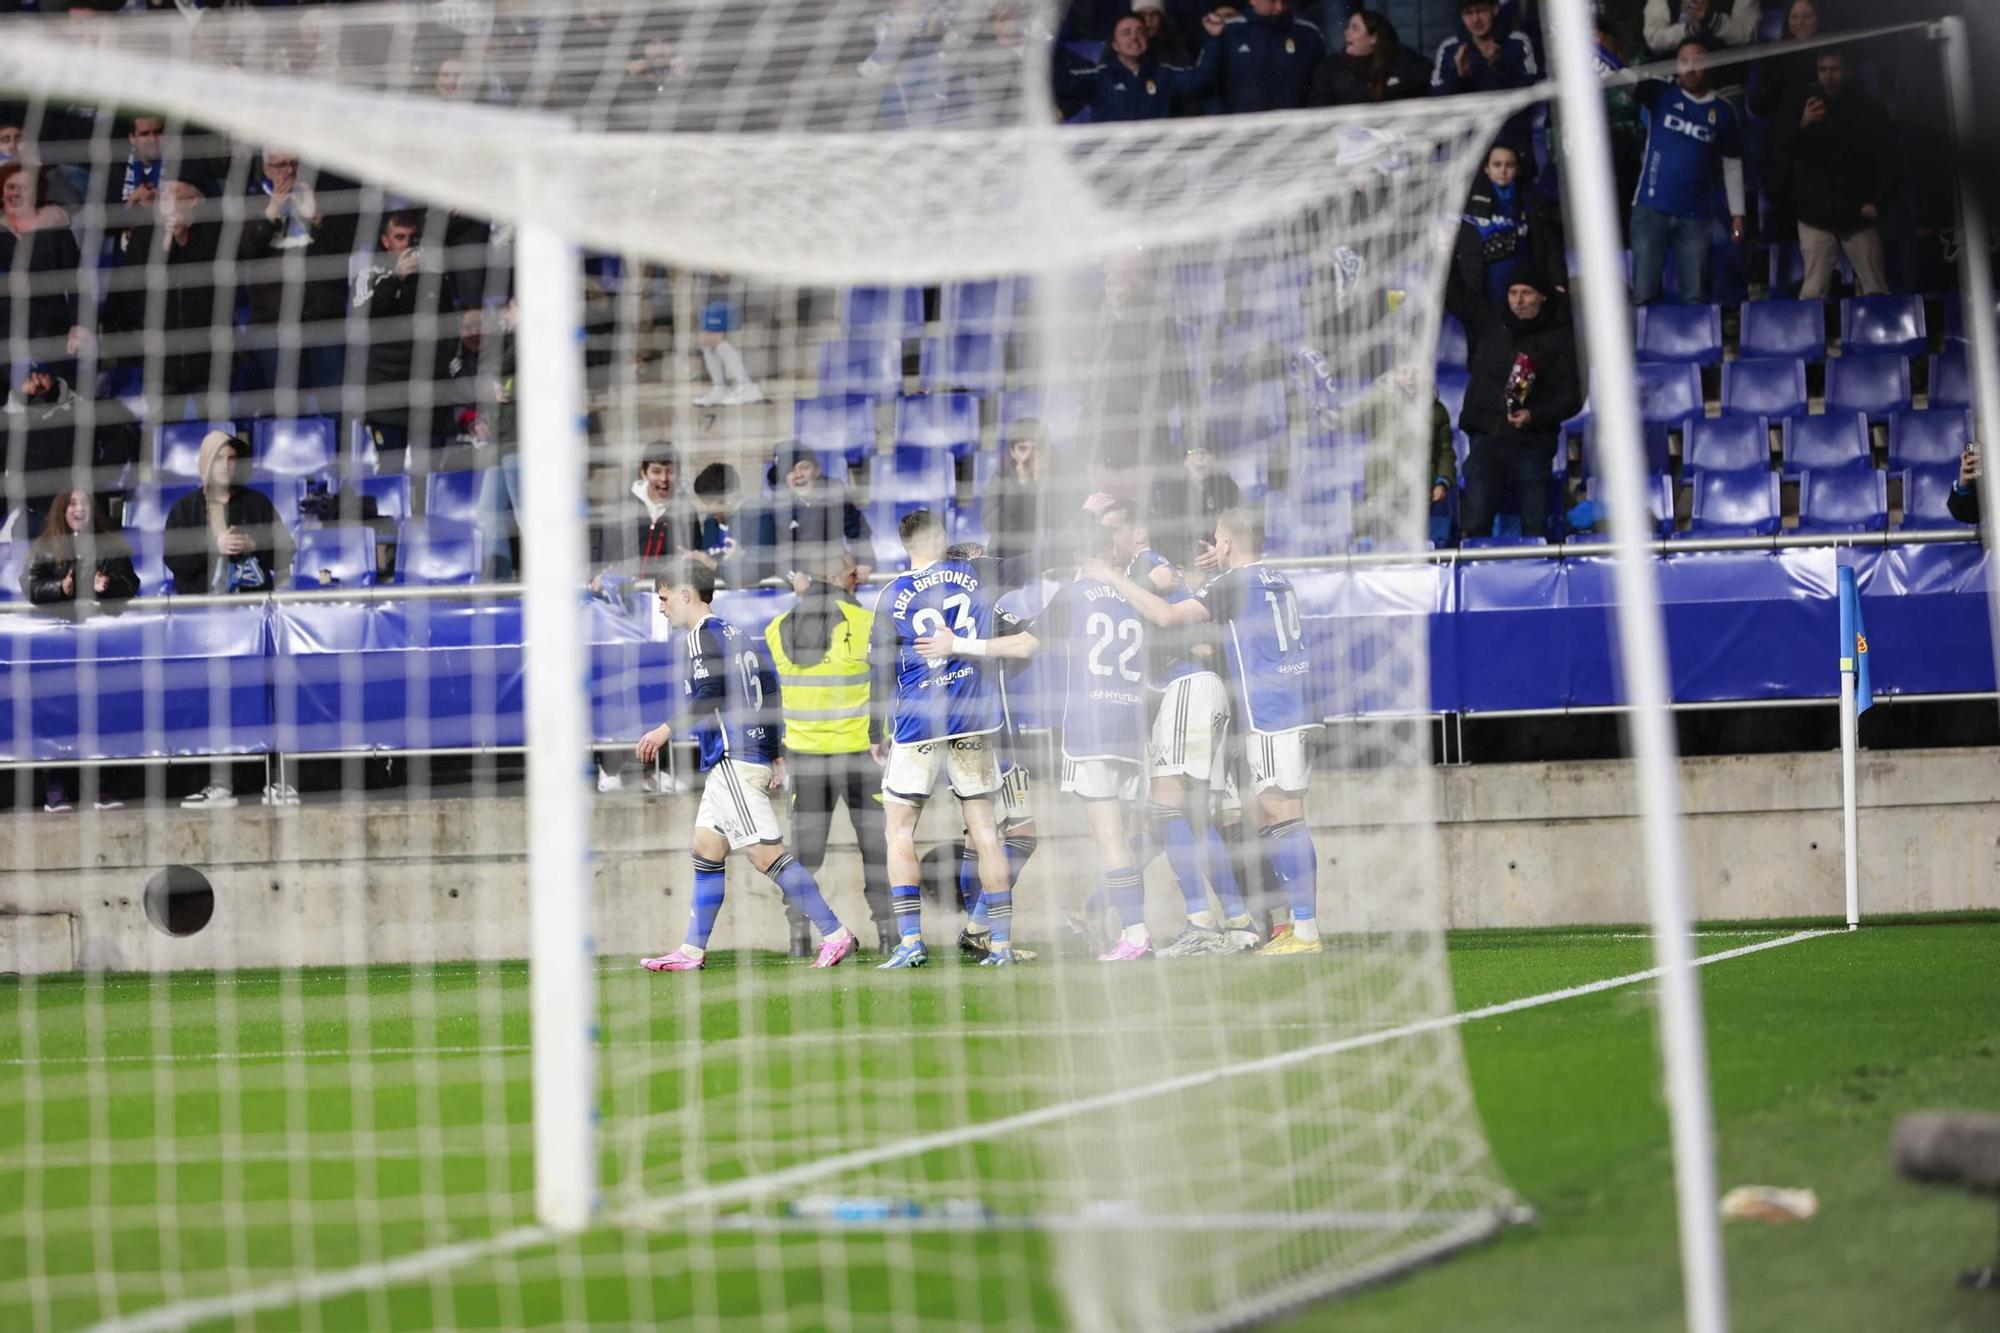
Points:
(837, 424)
(919, 476)
(1836, 440)
(1951, 380)
(1669, 392)
(362, 458)
(869, 366)
(1451, 344)
(976, 362)
(342, 556)
(297, 448)
(148, 561)
(1954, 319)
(1735, 504)
(986, 306)
(882, 312)
(437, 550)
(1844, 499)
(282, 492)
(146, 506)
(938, 421)
(968, 523)
(1659, 502)
(1877, 384)
(1783, 329)
(453, 495)
(391, 494)
(1691, 333)
(1058, 412)
(1773, 387)
(1883, 324)
(1655, 436)
(1933, 438)
(1726, 444)
(1927, 497)
(177, 447)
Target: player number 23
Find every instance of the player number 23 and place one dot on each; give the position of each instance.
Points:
(1106, 632)
(957, 609)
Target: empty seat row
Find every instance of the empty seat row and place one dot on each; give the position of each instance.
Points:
(873, 367)
(989, 305)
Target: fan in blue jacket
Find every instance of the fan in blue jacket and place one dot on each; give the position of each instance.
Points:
(1486, 54)
(1269, 57)
(1130, 85)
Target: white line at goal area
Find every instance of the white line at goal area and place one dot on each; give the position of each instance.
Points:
(428, 1264)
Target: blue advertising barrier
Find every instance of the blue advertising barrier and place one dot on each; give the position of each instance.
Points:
(1503, 636)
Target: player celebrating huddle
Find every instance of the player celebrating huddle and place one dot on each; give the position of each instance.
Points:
(731, 695)
(1103, 642)
(1258, 612)
(937, 713)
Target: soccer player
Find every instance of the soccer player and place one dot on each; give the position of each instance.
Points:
(730, 696)
(1017, 814)
(1186, 758)
(1103, 640)
(1258, 614)
(938, 713)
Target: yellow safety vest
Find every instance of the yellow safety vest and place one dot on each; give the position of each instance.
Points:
(826, 705)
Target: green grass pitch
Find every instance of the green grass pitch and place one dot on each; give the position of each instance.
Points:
(1816, 1047)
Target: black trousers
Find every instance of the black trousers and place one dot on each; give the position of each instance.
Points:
(1492, 469)
(819, 783)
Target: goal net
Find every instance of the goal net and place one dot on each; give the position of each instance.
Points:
(839, 264)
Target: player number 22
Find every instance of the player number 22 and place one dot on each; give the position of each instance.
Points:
(1108, 631)
(1285, 618)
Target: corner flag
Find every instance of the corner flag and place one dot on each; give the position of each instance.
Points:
(1854, 641)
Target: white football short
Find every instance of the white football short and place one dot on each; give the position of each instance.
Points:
(1101, 779)
(1277, 761)
(969, 764)
(736, 802)
(1190, 729)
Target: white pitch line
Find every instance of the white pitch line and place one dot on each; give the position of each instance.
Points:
(426, 1263)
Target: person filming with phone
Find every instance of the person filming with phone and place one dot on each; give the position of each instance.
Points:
(1963, 503)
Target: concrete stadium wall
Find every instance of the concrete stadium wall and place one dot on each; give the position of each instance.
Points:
(384, 879)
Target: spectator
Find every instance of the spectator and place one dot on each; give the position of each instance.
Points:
(1268, 57)
(165, 293)
(721, 317)
(405, 301)
(1373, 66)
(1777, 83)
(1382, 417)
(292, 249)
(649, 525)
(1168, 40)
(1963, 502)
(1185, 507)
(1670, 23)
(1837, 143)
(1690, 131)
(717, 543)
(15, 146)
(38, 255)
(808, 521)
(42, 422)
(1524, 384)
(1486, 54)
(481, 378)
(79, 558)
(224, 537)
(1014, 511)
(1132, 83)
(1506, 227)
(132, 187)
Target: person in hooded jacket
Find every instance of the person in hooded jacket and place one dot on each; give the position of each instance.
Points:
(1268, 57)
(649, 525)
(1372, 66)
(224, 537)
(820, 651)
(1524, 384)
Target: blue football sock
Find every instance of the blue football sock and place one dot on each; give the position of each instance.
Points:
(707, 901)
(1128, 894)
(1289, 849)
(799, 887)
(1183, 854)
(970, 893)
(908, 902)
(1000, 916)
(1221, 868)
(1020, 847)
(1145, 845)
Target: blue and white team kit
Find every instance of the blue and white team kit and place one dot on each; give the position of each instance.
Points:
(731, 693)
(1102, 640)
(946, 711)
(1269, 672)
(1191, 724)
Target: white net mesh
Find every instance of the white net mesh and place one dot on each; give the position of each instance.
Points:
(827, 241)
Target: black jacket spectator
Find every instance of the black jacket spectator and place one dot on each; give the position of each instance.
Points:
(808, 522)
(199, 521)
(1504, 231)
(304, 246)
(1486, 54)
(66, 561)
(39, 255)
(1130, 83)
(1015, 506)
(1268, 60)
(1388, 72)
(651, 523)
(1963, 502)
(1524, 385)
(1186, 506)
(171, 261)
(38, 439)
(1845, 161)
(409, 303)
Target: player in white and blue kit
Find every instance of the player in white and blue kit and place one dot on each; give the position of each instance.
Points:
(1187, 763)
(937, 714)
(1102, 640)
(729, 696)
(1257, 613)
